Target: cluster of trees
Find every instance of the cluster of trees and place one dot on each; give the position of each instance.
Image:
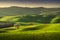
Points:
(6, 24)
(41, 19)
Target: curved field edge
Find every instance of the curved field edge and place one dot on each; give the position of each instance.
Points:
(47, 32)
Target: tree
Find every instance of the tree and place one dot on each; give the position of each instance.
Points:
(17, 25)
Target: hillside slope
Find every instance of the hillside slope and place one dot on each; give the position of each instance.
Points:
(39, 32)
(32, 18)
(23, 11)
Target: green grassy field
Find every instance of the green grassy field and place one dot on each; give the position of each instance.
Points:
(36, 23)
(31, 32)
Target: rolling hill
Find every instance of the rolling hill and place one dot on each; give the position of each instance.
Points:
(35, 23)
(32, 18)
(32, 32)
(14, 10)
(21, 14)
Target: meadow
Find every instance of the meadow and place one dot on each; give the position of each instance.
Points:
(35, 23)
(31, 32)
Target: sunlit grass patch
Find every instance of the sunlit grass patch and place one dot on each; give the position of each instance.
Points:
(32, 32)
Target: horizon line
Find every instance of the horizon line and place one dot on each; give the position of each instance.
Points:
(27, 7)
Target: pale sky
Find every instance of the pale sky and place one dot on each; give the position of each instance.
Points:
(30, 3)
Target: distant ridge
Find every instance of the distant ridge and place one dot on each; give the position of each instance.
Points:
(23, 7)
(16, 10)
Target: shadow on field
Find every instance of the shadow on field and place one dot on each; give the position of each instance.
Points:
(3, 31)
(10, 29)
(6, 30)
(33, 28)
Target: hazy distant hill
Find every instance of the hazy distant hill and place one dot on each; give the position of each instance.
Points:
(40, 14)
(21, 10)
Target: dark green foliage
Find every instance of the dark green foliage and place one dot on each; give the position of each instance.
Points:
(37, 18)
(22, 24)
(5, 24)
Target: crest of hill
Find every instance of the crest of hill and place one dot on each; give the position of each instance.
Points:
(15, 10)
